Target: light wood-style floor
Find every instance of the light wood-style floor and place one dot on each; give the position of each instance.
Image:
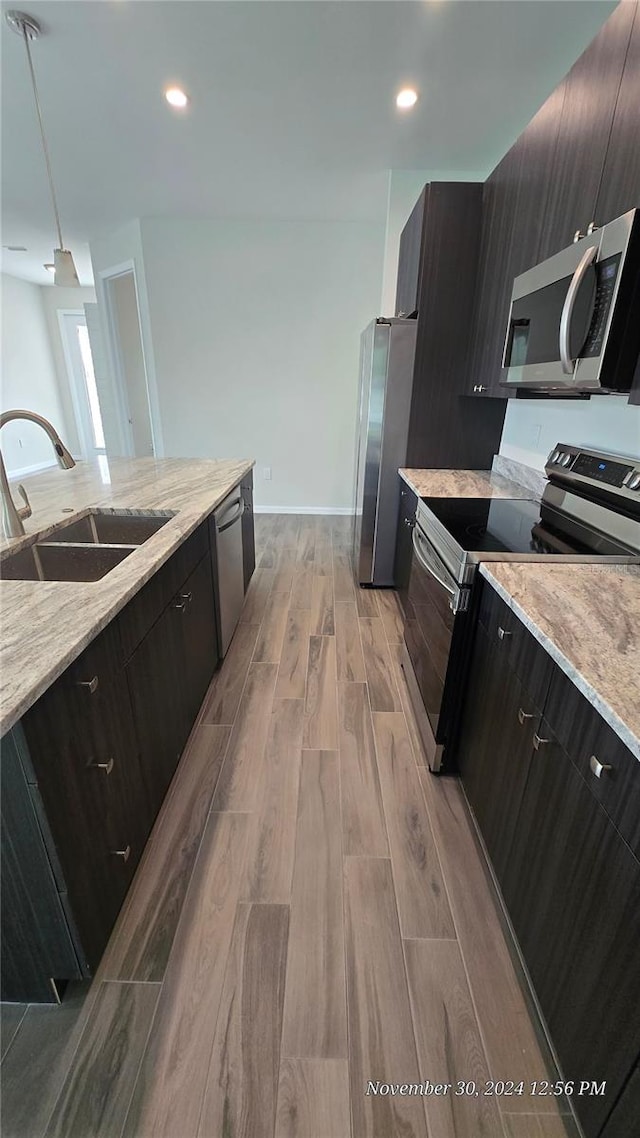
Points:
(311, 912)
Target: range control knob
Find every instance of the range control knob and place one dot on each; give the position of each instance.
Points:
(566, 459)
(634, 482)
(555, 456)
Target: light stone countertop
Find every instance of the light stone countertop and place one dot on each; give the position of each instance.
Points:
(587, 617)
(45, 625)
(463, 484)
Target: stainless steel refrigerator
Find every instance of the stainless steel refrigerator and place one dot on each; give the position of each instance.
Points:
(387, 351)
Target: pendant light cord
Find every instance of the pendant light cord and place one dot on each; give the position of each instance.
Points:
(42, 135)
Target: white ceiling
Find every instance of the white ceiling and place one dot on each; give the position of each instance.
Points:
(292, 109)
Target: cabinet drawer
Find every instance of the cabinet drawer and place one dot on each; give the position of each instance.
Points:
(589, 741)
(525, 656)
(146, 607)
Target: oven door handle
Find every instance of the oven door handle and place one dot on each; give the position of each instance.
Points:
(427, 565)
(587, 258)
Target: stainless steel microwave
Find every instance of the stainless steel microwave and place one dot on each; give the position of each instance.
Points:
(574, 322)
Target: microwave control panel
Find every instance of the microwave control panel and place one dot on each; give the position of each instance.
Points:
(606, 275)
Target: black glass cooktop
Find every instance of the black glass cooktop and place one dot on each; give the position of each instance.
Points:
(501, 525)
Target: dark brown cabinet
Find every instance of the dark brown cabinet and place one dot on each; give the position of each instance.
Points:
(620, 184)
(410, 259)
(552, 828)
(624, 1121)
(82, 745)
(404, 547)
(85, 772)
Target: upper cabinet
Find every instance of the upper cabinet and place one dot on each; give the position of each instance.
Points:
(620, 185)
(577, 162)
(409, 259)
(590, 95)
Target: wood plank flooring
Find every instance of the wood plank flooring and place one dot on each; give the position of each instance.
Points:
(311, 921)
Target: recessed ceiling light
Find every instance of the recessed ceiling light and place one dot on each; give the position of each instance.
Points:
(406, 98)
(51, 268)
(176, 98)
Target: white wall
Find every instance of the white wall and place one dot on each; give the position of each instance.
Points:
(405, 187)
(55, 300)
(533, 427)
(29, 378)
(255, 328)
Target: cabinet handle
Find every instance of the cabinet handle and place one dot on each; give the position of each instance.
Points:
(479, 388)
(522, 715)
(410, 522)
(502, 632)
(91, 684)
(538, 742)
(106, 767)
(181, 604)
(597, 767)
(124, 854)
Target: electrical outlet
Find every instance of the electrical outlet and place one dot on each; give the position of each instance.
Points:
(266, 473)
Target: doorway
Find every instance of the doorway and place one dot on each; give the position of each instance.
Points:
(82, 380)
(128, 357)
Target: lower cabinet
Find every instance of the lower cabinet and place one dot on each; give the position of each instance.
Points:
(404, 551)
(85, 773)
(248, 534)
(569, 878)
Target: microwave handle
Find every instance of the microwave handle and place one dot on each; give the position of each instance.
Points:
(587, 259)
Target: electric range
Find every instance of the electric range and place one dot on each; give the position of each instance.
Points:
(589, 513)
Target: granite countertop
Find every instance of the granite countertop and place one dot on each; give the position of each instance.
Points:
(587, 617)
(45, 625)
(463, 484)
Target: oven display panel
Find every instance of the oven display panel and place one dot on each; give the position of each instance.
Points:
(612, 473)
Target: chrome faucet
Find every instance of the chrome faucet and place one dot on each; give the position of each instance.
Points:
(12, 515)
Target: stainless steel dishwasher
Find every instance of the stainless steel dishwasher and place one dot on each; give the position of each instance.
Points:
(227, 521)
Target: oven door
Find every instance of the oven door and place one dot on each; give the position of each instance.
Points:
(434, 625)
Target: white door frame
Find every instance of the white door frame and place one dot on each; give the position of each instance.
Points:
(79, 405)
(115, 359)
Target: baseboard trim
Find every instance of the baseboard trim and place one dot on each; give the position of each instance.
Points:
(23, 471)
(346, 510)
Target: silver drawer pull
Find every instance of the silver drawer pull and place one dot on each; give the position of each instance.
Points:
(538, 742)
(502, 632)
(522, 715)
(91, 684)
(182, 601)
(124, 854)
(106, 767)
(597, 767)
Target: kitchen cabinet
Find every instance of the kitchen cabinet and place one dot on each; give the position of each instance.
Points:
(82, 747)
(624, 1121)
(404, 547)
(85, 772)
(248, 535)
(619, 188)
(410, 259)
(559, 830)
(590, 95)
(575, 163)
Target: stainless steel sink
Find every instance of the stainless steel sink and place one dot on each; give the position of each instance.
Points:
(112, 527)
(84, 549)
(46, 561)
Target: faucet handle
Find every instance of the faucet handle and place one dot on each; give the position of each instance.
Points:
(24, 511)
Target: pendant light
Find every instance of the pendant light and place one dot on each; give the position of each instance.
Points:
(65, 270)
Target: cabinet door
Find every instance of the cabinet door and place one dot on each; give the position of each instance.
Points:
(620, 185)
(248, 534)
(495, 746)
(495, 276)
(591, 91)
(625, 1120)
(572, 888)
(198, 634)
(82, 745)
(155, 677)
(402, 564)
(409, 258)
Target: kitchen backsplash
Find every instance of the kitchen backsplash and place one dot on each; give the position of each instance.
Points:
(532, 427)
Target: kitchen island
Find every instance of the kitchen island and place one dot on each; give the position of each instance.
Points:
(46, 624)
(102, 681)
